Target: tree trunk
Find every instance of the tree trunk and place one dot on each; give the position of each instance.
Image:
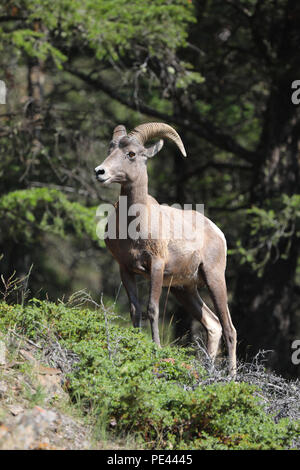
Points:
(263, 307)
(263, 312)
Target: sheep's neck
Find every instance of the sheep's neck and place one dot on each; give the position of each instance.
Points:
(136, 192)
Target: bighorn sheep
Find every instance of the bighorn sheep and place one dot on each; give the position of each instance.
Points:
(181, 263)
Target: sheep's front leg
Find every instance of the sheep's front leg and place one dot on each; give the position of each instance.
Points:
(156, 282)
(129, 283)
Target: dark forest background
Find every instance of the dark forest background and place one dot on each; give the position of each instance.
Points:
(221, 73)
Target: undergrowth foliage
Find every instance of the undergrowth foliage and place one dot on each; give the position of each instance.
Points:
(165, 397)
(25, 213)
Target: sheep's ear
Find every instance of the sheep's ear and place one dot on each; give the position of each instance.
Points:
(154, 149)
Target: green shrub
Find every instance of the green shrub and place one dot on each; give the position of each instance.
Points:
(137, 388)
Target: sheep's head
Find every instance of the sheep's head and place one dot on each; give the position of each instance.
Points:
(128, 155)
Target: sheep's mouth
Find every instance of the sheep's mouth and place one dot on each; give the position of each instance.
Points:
(103, 180)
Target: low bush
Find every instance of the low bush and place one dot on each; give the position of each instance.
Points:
(131, 386)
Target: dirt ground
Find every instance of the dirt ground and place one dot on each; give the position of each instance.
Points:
(35, 410)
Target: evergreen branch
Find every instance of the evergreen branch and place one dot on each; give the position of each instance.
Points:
(198, 125)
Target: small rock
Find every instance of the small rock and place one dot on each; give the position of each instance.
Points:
(47, 416)
(2, 353)
(15, 409)
(113, 423)
(26, 431)
(52, 385)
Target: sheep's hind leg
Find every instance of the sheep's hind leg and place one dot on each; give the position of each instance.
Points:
(217, 287)
(192, 302)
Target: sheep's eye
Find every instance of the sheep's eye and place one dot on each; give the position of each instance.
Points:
(131, 154)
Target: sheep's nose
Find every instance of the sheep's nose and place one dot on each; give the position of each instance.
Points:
(99, 171)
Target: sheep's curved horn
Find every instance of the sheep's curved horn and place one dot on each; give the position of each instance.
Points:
(119, 132)
(152, 130)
